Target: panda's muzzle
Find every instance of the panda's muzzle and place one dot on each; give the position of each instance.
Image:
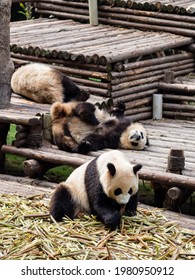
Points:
(136, 136)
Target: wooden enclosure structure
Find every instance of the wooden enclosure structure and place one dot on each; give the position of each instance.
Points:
(118, 63)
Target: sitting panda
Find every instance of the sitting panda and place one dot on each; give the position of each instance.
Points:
(45, 84)
(103, 187)
(82, 127)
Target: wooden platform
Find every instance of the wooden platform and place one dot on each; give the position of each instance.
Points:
(163, 136)
(124, 64)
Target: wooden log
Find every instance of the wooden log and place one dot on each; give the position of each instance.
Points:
(147, 20)
(63, 159)
(150, 70)
(8, 117)
(178, 115)
(176, 161)
(176, 197)
(136, 116)
(21, 135)
(47, 127)
(35, 137)
(177, 88)
(22, 1)
(73, 70)
(35, 169)
(168, 178)
(175, 30)
(147, 73)
(124, 95)
(159, 15)
(4, 128)
(63, 15)
(61, 8)
(30, 182)
(178, 98)
(175, 193)
(20, 143)
(157, 61)
(21, 128)
(179, 108)
(141, 112)
(6, 64)
(77, 159)
(75, 4)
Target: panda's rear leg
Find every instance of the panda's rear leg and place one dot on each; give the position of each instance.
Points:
(61, 204)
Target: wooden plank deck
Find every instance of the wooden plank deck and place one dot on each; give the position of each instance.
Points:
(163, 135)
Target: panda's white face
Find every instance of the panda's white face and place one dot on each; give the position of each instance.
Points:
(118, 176)
(123, 186)
(134, 137)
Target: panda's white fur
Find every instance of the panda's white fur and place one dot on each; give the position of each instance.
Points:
(100, 187)
(133, 137)
(124, 176)
(43, 84)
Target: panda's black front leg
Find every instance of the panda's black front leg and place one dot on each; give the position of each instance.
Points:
(131, 206)
(110, 218)
(108, 215)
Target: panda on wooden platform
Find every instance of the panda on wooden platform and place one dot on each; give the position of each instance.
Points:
(82, 127)
(73, 121)
(103, 187)
(45, 84)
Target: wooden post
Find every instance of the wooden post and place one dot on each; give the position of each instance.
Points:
(93, 12)
(6, 70)
(176, 161)
(157, 106)
(176, 196)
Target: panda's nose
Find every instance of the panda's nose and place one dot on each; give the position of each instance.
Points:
(138, 137)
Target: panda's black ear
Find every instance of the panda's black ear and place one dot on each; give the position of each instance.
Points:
(136, 168)
(111, 169)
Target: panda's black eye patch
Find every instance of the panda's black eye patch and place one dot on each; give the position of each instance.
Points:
(130, 191)
(117, 191)
(142, 135)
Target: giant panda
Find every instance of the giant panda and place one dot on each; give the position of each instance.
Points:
(74, 121)
(105, 187)
(82, 127)
(45, 84)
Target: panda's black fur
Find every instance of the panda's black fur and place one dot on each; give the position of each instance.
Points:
(99, 187)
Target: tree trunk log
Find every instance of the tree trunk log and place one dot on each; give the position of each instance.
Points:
(6, 70)
(6, 65)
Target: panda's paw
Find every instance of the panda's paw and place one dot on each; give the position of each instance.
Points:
(130, 213)
(84, 147)
(113, 221)
(119, 109)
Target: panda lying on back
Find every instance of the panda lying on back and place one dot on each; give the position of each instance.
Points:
(102, 187)
(45, 84)
(82, 127)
